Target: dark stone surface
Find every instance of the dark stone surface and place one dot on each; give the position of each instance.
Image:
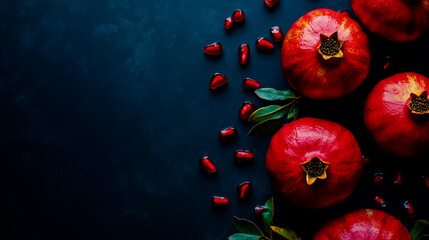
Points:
(105, 112)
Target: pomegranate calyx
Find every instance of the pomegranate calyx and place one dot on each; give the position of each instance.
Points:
(314, 169)
(330, 46)
(419, 104)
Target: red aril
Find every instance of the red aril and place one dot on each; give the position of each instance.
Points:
(380, 201)
(246, 109)
(244, 190)
(219, 201)
(409, 209)
(217, 81)
(243, 53)
(213, 49)
(238, 16)
(228, 133)
(398, 179)
(207, 165)
(243, 156)
(228, 23)
(270, 3)
(263, 44)
(249, 83)
(258, 209)
(277, 34)
(379, 179)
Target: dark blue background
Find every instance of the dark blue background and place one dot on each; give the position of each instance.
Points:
(105, 111)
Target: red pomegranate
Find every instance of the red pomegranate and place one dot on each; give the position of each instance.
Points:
(395, 20)
(397, 114)
(325, 55)
(314, 163)
(364, 224)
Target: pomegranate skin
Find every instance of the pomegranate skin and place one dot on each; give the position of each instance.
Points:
(389, 120)
(302, 140)
(311, 75)
(394, 20)
(364, 224)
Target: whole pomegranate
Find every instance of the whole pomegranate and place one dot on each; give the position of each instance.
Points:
(396, 114)
(314, 163)
(325, 55)
(395, 20)
(364, 224)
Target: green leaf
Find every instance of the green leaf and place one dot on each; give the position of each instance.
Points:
(269, 112)
(263, 128)
(420, 226)
(245, 226)
(272, 94)
(267, 214)
(286, 233)
(293, 114)
(244, 236)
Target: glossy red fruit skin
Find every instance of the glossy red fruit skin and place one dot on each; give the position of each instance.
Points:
(238, 16)
(392, 125)
(258, 209)
(219, 201)
(364, 224)
(379, 179)
(246, 109)
(243, 156)
(409, 209)
(277, 34)
(270, 3)
(228, 133)
(207, 165)
(213, 49)
(394, 20)
(263, 43)
(217, 81)
(244, 190)
(380, 201)
(249, 83)
(311, 75)
(303, 139)
(398, 180)
(228, 23)
(243, 53)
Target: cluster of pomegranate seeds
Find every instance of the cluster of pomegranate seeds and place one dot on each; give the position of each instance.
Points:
(207, 165)
(409, 209)
(379, 179)
(219, 201)
(228, 23)
(249, 83)
(238, 16)
(246, 109)
(387, 62)
(244, 190)
(380, 201)
(228, 133)
(258, 209)
(243, 53)
(243, 156)
(270, 3)
(213, 49)
(345, 12)
(217, 80)
(263, 43)
(398, 179)
(277, 34)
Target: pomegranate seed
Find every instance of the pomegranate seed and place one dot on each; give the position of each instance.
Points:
(410, 209)
(238, 16)
(243, 53)
(426, 181)
(398, 180)
(277, 34)
(213, 49)
(379, 179)
(258, 209)
(249, 83)
(207, 165)
(263, 44)
(380, 202)
(219, 201)
(217, 80)
(246, 110)
(228, 23)
(366, 160)
(345, 12)
(228, 133)
(244, 190)
(243, 156)
(270, 3)
(387, 63)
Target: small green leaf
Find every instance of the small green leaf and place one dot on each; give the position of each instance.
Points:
(245, 226)
(272, 94)
(267, 214)
(286, 233)
(263, 128)
(420, 226)
(244, 236)
(269, 112)
(293, 114)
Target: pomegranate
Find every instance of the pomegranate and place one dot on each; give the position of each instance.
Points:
(394, 20)
(364, 224)
(397, 114)
(325, 55)
(314, 163)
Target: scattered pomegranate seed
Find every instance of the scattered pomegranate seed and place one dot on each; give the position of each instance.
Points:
(366, 160)
(277, 34)
(244, 190)
(238, 16)
(207, 165)
(380, 202)
(243, 156)
(246, 109)
(379, 179)
(345, 12)
(398, 180)
(228, 133)
(426, 181)
(249, 83)
(213, 49)
(263, 44)
(217, 80)
(410, 209)
(243, 53)
(270, 3)
(258, 209)
(219, 201)
(228, 23)
(387, 62)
